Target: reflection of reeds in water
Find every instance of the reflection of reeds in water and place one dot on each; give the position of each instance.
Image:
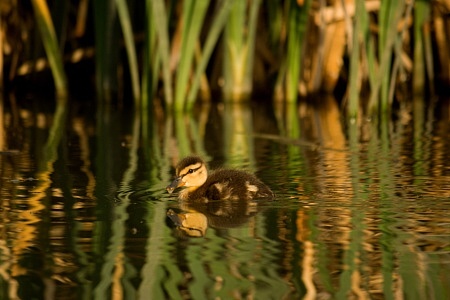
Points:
(359, 209)
(358, 194)
(238, 135)
(189, 133)
(29, 219)
(115, 264)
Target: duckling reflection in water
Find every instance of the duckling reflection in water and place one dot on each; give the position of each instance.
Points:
(195, 217)
(192, 223)
(222, 184)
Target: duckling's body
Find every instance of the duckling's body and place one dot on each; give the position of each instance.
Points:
(223, 184)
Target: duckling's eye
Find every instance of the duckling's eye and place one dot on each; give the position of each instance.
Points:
(190, 171)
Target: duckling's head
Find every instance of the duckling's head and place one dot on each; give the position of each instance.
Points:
(191, 173)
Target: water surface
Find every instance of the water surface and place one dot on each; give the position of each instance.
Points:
(362, 210)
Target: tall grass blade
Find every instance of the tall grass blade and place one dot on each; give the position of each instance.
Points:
(389, 20)
(398, 66)
(234, 52)
(239, 50)
(151, 63)
(355, 73)
(214, 32)
(421, 14)
(160, 20)
(50, 42)
(371, 52)
(251, 40)
(124, 17)
(193, 16)
(385, 15)
(298, 20)
(106, 49)
(387, 38)
(148, 59)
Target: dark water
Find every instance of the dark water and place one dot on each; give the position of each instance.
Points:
(362, 210)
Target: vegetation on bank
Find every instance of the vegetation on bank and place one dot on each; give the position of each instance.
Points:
(372, 54)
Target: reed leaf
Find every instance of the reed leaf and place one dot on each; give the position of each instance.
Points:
(298, 20)
(106, 49)
(355, 72)
(160, 20)
(398, 66)
(389, 20)
(124, 17)
(293, 54)
(146, 91)
(47, 30)
(388, 35)
(193, 15)
(251, 39)
(234, 51)
(214, 32)
(239, 50)
(368, 45)
(421, 14)
(151, 61)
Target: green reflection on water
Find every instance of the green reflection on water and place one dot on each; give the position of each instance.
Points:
(361, 209)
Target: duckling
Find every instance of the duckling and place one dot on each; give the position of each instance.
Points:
(222, 184)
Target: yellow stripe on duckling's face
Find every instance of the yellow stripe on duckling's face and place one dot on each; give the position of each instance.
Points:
(189, 169)
(193, 175)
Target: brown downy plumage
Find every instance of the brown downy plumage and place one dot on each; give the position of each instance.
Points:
(222, 184)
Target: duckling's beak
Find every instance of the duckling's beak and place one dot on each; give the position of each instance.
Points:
(174, 217)
(176, 183)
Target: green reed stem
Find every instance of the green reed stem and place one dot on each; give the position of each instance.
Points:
(421, 14)
(239, 50)
(106, 49)
(386, 15)
(355, 74)
(398, 47)
(388, 35)
(298, 20)
(146, 92)
(151, 63)
(214, 32)
(390, 16)
(251, 40)
(47, 30)
(124, 17)
(160, 20)
(193, 15)
(235, 53)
